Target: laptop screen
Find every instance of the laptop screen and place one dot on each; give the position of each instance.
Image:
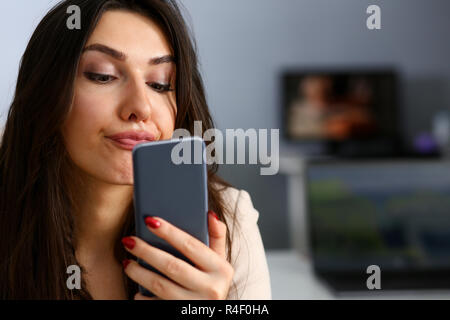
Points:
(392, 214)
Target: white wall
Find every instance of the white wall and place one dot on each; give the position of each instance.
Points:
(18, 20)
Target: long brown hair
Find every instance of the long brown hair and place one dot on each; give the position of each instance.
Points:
(36, 209)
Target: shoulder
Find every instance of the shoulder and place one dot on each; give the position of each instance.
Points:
(239, 203)
(251, 277)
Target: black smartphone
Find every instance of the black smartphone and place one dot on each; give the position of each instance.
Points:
(170, 181)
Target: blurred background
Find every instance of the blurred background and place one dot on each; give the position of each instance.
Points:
(364, 133)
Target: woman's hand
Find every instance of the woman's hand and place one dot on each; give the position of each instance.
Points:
(210, 279)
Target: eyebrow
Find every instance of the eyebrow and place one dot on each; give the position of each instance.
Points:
(118, 55)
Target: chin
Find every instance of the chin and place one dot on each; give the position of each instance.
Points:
(122, 172)
(115, 175)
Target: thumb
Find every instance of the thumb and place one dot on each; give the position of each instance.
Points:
(217, 234)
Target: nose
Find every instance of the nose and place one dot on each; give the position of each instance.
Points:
(136, 105)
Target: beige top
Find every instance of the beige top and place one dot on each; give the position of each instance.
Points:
(251, 279)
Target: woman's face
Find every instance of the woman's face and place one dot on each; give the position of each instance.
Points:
(117, 92)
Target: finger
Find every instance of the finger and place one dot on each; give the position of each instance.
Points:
(217, 234)
(160, 286)
(140, 296)
(195, 250)
(176, 269)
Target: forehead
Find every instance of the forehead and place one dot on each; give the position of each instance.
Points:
(132, 33)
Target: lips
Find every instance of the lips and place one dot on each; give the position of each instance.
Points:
(127, 140)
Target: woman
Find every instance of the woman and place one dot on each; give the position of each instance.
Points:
(66, 194)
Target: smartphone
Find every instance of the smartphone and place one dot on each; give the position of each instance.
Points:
(170, 182)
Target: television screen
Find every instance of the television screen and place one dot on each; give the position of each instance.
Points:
(395, 215)
(344, 105)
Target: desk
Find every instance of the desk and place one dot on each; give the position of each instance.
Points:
(292, 278)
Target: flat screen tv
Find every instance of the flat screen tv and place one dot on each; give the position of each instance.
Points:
(394, 214)
(353, 111)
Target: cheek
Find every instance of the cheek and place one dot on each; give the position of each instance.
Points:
(84, 137)
(165, 118)
(167, 126)
(87, 117)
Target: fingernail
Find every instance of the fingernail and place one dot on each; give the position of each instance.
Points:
(214, 214)
(152, 222)
(128, 242)
(125, 263)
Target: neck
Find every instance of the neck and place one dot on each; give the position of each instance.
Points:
(100, 213)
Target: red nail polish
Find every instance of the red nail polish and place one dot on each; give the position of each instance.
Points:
(125, 263)
(128, 242)
(152, 222)
(214, 214)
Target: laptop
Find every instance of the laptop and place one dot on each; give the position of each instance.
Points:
(392, 214)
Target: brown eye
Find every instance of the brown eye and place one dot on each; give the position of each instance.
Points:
(159, 87)
(97, 77)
